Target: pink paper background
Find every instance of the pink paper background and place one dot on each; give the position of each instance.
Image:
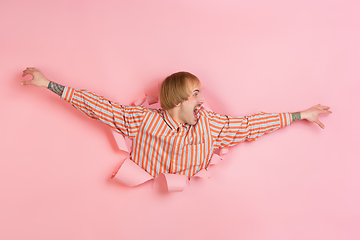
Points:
(297, 183)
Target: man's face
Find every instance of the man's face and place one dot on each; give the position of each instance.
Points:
(189, 109)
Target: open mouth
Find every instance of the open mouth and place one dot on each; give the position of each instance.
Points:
(196, 111)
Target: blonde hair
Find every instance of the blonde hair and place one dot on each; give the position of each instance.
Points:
(175, 89)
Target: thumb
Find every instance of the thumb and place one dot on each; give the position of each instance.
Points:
(26, 83)
(320, 124)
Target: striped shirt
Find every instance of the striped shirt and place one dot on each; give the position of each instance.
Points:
(161, 145)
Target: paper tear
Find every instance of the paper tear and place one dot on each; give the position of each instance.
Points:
(139, 101)
(131, 175)
(151, 99)
(223, 152)
(121, 142)
(202, 174)
(175, 182)
(215, 159)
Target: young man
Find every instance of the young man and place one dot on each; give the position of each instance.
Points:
(179, 138)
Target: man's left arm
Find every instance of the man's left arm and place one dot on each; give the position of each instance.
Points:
(228, 131)
(312, 114)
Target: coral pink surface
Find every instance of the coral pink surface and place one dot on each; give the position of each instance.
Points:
(297, 183)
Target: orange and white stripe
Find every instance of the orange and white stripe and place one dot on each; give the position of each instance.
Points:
(161, 145)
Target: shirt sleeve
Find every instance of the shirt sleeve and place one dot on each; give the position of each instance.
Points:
(228, 131)
(124, 119)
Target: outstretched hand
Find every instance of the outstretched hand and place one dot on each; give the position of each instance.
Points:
(38, 78)
(312, 114)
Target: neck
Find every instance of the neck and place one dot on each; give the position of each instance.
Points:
(174, 113)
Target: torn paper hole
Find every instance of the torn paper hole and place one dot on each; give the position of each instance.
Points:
(131, 175)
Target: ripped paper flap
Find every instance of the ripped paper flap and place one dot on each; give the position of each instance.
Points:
(175, 182)
(131, 175)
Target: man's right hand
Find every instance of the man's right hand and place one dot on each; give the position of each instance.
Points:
(38, 78)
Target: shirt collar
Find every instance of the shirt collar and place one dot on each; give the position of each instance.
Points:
(170, 121)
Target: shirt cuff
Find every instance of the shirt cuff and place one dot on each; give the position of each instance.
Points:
(67, 94)
(285, 119)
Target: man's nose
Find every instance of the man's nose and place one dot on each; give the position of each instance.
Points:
(201, 99)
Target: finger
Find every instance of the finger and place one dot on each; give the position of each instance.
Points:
(325, 111)
(26, 83)
(26, 72)
(320, 124)
(30, 69)
(325, 107)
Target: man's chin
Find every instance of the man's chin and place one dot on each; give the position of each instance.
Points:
(193, 122)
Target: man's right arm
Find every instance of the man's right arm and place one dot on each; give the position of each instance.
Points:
(39, 80)
(56, 88)
(123, 119)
